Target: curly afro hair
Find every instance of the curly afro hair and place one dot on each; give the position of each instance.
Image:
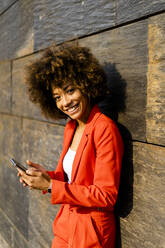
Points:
(58, 65)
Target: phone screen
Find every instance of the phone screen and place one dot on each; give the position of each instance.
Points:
(17, 164)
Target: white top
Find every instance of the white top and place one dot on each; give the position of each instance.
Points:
(68, 162)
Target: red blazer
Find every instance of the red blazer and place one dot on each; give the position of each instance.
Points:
(94, 182)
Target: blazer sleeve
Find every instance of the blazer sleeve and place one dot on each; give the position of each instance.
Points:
(103, 192)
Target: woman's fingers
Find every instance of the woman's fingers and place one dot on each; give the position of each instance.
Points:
(37, 173)
(36, 166)
(23, 182)
(30, 163)
(26, 179)
(33, 172)
(20, 172)
(34, 178)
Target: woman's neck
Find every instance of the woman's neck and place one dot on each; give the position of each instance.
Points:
(83, 121)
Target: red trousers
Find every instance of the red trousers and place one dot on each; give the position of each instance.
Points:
(60, 243)
(76, 228)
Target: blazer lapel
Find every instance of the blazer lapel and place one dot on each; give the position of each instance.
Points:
(78, 155)
(95, 113)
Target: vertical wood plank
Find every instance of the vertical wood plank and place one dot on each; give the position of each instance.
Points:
(156, 81)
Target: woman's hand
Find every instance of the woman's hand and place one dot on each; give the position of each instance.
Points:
(36, 177)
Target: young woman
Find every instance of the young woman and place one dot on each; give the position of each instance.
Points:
(67, 81)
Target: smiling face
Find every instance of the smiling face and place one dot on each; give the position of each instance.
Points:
(72, 102)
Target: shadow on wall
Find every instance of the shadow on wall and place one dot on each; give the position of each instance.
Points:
(112, 106)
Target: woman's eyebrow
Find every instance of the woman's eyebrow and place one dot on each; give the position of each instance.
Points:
(63, 88)
(66, 86)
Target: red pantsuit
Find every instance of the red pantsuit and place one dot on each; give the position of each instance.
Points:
(86, 217)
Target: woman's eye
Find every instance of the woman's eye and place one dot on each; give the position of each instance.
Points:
(56, 98)
(70, 90)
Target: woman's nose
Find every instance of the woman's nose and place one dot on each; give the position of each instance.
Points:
(66, 101)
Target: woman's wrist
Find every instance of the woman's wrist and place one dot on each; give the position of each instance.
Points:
(50, 187)
(47, 189)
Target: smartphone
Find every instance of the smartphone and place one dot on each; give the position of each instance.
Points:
(17, 164)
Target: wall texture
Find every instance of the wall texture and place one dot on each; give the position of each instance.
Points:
(128, 38)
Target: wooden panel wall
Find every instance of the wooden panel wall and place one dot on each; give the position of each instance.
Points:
(127, 37)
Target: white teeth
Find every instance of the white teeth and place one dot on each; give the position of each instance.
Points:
(72, 109)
